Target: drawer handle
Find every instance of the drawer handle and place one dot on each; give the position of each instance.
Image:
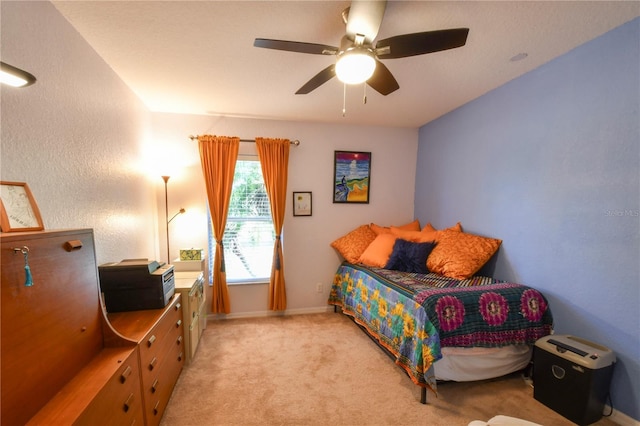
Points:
(151, 340)
(156, 409)
(128, 403)
(178, 323)
(153, 363)
(154, 386)
(177, 307)
(180, 357)
(73, 245)
(179, 340)
(125, 374)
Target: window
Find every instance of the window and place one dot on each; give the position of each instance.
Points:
(249, 236)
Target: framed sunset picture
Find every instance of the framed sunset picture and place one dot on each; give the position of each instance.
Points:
(351, 176)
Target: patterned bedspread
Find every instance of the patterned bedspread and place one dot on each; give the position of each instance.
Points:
(414, 315)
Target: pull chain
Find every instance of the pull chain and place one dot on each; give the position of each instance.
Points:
(344, 100)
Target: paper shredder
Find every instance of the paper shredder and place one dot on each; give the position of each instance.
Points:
(572, 376)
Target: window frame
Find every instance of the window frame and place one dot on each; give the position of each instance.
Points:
(211, 238)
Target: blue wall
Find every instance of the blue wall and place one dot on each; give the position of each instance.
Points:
(550, 163)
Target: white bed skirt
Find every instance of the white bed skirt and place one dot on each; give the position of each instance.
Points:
(469, 364)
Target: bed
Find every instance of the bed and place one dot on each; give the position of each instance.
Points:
(442, 328)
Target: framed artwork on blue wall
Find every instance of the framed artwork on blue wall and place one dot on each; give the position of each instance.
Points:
(351, 177)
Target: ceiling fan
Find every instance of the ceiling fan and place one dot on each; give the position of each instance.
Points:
(363, 19)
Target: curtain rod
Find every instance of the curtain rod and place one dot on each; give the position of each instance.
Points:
(295, 142)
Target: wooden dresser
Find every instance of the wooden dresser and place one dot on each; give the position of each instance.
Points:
(62, 360)
(160, 336)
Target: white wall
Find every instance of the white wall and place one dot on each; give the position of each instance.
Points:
(76, 136)
(308, 257)
(92, 155)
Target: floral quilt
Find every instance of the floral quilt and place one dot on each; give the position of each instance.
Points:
(414, 315)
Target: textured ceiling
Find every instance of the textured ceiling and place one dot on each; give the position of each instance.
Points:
(198, 57)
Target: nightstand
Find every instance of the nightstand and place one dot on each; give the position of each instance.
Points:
(191, 285)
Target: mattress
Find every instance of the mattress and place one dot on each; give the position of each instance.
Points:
(469, 364)
(416, 316)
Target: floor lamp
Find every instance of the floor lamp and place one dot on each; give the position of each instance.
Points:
(166, 213)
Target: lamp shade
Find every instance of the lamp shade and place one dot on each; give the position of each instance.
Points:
(355, 65)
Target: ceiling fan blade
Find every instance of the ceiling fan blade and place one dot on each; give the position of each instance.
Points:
(382, 80)
(296, 46)
(318, 80)
(406, 45)
(365, 18)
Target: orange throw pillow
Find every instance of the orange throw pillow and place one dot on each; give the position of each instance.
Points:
(379, 251)
(460, 255)
(379, 229)
(412, 226)
(431, 234)
(429, 227)
(414, 236)
(353, 244)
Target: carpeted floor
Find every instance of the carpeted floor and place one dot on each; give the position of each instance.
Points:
(321, 369)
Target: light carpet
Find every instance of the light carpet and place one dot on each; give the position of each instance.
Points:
(321, 369)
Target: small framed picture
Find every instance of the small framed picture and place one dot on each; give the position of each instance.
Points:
(351, 177)
(302, 203)
(18, 208)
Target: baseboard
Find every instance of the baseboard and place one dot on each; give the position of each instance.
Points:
(257, 314)
(620, 418)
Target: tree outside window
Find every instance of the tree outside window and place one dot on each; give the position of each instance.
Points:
(249, 236)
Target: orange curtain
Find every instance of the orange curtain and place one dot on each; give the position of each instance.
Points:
(274, 160)
(218, 155)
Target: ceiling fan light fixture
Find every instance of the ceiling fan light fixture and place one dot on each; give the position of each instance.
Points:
(355, 65)
(15, 77)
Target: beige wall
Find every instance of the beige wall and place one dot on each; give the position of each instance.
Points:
(76, 136)
(308, 257)
(93, 156)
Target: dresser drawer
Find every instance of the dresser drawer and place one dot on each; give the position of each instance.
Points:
(160, 337)
(175, 338)
(153, 346)
(162, 359)
(158, 392)
(106, 391)
(120, 401)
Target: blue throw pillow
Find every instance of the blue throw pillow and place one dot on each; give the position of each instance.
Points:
(408, 256)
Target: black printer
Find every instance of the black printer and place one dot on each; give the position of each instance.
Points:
(136, 284)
